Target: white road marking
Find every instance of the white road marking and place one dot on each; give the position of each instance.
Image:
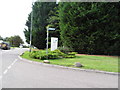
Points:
(14, 62)
(9, 66)
(19, 57)
(5, 71)
(0, 77)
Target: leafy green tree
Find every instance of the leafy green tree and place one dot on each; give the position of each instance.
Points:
(27, 31)
(53, 22)
(91, 28)
(14, 40)
(73, 27)
(40, 15)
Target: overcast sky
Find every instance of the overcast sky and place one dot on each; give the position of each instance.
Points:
(13, 16)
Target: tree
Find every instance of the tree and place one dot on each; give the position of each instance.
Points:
(74, 25)
(40, 16)
(53, 22)
(91, 28)
(15, 40)
(27, 31)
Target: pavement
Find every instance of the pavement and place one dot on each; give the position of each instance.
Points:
(17, 73)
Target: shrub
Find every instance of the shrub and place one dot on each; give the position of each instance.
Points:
(53, 55)
(33, 54)
(41, 54)
(72, 53)
(65, 49)
(69, 56)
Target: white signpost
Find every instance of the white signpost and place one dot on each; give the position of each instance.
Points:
(48, 29)
(51, 28)
(54, 43)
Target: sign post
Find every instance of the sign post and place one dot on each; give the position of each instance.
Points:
(47, 39)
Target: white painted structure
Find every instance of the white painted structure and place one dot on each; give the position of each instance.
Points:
(54, 43)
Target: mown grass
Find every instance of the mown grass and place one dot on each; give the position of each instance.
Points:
(103, 63)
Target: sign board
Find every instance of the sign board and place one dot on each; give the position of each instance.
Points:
(54, 43)
(51, 28)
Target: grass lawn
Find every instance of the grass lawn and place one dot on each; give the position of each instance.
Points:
(103, 63)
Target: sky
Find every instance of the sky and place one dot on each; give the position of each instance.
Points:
(13, 16)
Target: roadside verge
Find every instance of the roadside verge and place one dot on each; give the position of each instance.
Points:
(64, 67)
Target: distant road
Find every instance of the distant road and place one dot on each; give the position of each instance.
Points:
(21, 74)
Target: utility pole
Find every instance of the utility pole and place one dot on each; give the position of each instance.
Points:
(31, 28)
(47, 39)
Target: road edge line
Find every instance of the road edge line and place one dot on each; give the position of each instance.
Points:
(59, 66)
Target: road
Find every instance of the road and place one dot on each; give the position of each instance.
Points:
(21, 74)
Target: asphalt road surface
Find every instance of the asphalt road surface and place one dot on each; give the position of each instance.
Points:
(20, 74)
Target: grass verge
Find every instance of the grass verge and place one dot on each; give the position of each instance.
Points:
(102, 63)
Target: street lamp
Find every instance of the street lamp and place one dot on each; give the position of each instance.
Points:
(52, 29)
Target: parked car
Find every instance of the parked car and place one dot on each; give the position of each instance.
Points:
(4, 45)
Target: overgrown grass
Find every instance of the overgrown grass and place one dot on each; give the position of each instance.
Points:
(89, 62)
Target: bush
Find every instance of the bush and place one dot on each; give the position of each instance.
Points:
(33, 54)
(41, 54)
(55, 54)
(64, 49)
(71, 55)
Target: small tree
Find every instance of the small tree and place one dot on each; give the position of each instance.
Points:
(15, 40)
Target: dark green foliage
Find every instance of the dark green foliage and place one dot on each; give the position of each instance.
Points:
(40, 15)
(14, 41)
(92, 28)
(53, 21)
(27, 31)
(65, 49)
(27, 35)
